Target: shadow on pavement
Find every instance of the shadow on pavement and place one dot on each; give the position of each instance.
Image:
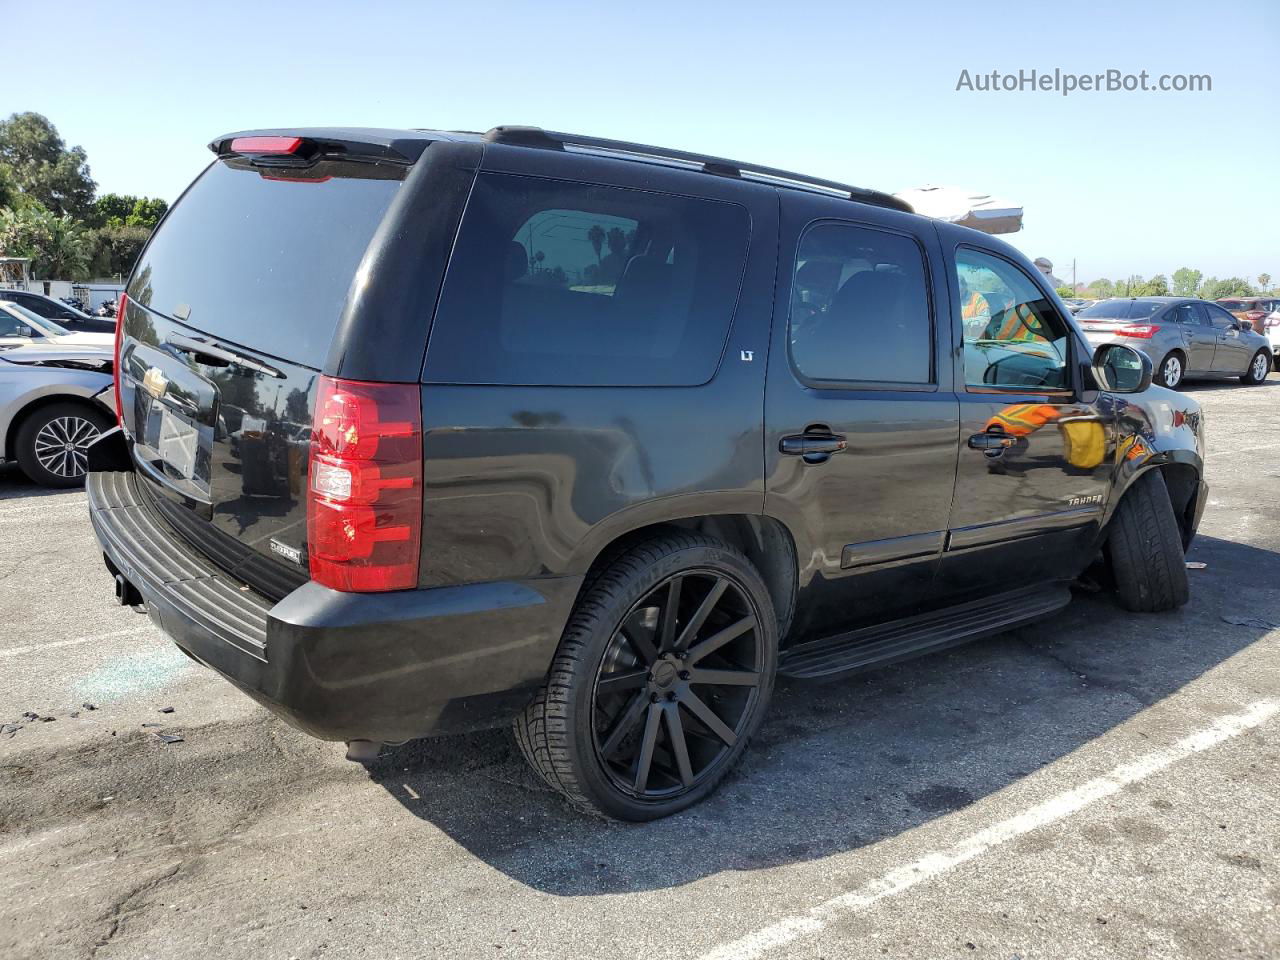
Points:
(846, 763)
(1213, 386)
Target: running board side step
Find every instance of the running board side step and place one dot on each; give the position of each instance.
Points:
(925, 633)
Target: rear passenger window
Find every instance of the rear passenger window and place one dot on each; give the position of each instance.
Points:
(859, 307)
(573, 284)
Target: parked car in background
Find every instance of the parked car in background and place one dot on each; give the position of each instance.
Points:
(578, 509)
(55, 400)
(75, 321)
(1253, 310)
(1076, 304)
(1183, 336)
(20, 325)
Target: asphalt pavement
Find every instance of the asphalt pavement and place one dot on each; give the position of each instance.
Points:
(1104, 784)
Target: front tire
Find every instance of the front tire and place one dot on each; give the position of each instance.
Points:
(1171, 371)
(663, 674)
(1259, 367)
(52, 443)
(1144, 547)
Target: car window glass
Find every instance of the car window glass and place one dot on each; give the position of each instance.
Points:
(11, 326)
(35, 305)
(41, 326)
(1217, 316)
(1013, 338)
(576, 284)
(860, 307)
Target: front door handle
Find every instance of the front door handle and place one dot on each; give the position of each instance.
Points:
(814, 447)
(992, 444)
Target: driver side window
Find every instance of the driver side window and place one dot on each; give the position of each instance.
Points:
(1013, 338)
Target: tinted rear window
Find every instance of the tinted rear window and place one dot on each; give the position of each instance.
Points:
(1234, 304)
(1121, 310)
(265, 263)
(574, 284)
(860, 307)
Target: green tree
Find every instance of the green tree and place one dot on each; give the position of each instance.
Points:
(111, 208)
(146, 212)
(122, 210)
(1186, 282)
(59, 247)
(1102, 288)
(1230, 287)
(8, 190)
(43, 168)
(1157, 286)
(118, 249)
(1065, 292)
(1264, 281)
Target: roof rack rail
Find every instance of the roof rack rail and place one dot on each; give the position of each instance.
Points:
(553, 140)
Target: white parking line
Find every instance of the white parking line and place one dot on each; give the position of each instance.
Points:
(1050, 811)
(54, 644)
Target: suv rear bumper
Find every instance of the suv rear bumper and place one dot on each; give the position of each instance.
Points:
(341, 666)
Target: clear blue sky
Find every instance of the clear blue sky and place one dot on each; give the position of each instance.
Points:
(1123, 182)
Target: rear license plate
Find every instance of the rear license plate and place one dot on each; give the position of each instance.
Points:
(177, 444)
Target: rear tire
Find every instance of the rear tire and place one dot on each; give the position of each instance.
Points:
(642, 716)
(1144, 548)
(1171, 371)
(51, 443)
(1259, 367)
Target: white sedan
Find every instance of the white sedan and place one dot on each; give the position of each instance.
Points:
(19, 325)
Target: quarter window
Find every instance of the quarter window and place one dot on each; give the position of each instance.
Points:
(1013, 338)
(557, 283)
(860, 307)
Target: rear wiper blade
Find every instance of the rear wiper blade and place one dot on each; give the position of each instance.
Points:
(204, 348)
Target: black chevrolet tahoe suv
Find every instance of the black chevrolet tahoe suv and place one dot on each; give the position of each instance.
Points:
(424, 432)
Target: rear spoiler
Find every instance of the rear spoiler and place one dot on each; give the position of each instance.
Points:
(304, 145)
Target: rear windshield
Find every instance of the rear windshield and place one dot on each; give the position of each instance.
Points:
(1233, 305)
(265, 263)
(1121, 310)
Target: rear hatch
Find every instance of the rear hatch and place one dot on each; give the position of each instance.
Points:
(229, 318)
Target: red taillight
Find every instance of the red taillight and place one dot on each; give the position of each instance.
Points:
(1254, 315)
(120, 308)
(1143, 331)
(364, 486)
(264, 145)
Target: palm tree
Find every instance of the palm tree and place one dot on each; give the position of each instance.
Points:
(68, 250)
(596, 236)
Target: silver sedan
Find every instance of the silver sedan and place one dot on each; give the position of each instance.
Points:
(1184, 337)
(54, 402)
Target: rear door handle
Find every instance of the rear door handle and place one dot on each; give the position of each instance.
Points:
(814, 447)
(990, 443)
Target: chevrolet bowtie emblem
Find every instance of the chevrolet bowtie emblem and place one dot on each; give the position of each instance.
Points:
(155, 382)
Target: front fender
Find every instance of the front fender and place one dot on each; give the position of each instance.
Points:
(63, 383)
(1154, 429)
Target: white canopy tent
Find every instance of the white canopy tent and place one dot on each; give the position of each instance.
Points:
(968, 208)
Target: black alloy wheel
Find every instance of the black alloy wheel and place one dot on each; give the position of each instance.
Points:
(663, 673)
(677, 685)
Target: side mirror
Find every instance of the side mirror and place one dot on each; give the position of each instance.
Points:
(1121, 369)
